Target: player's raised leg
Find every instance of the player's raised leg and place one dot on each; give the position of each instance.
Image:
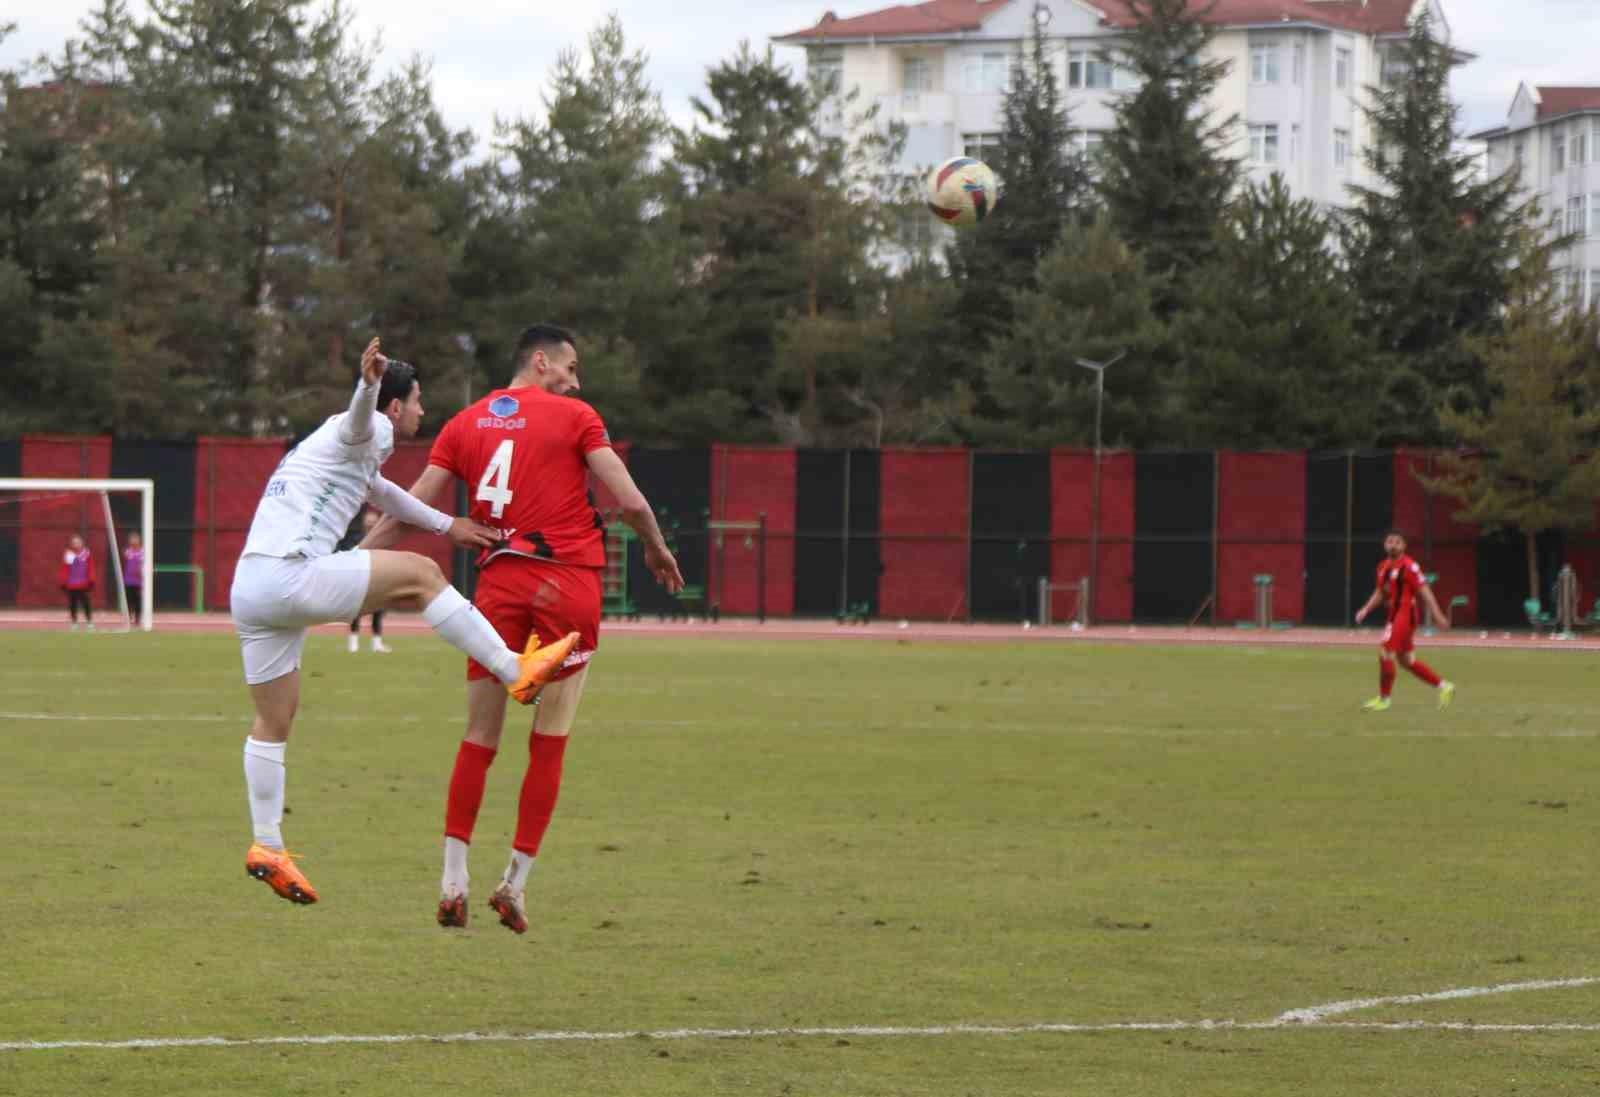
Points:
(267, 860)
(541, 787)
(405, 580)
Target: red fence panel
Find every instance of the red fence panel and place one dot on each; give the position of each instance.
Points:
(1261, 528)
(747, 482)
(46, 522)
(1072, 520)
(1435, 538)
(923, 523)
(229, 476)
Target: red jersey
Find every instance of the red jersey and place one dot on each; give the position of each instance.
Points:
(1400, 580)
(521, 453)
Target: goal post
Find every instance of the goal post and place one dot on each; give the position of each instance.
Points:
(30, 488)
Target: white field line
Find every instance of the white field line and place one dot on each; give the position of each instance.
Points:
(1309, 1017)
(1316, 1014)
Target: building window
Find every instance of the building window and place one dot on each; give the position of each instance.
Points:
(1341, 151)
(1264, 144)
(1342, 64)
(1577, 222)
(916, 74)
(1294, 142)
(988, 72)
(917, 231)
(1594, 214)
(1086, 70)
(1297, 63)
(980, 146)
(1392, 66)
(1264, 63)
(1578, 144)
(1518, 151)
(1086, 142)
(827, 70)
(1558, 151)
(1593, 300)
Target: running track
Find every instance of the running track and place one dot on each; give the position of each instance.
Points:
(813, 629)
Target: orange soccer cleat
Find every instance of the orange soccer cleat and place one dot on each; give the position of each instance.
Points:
(539, 665)
(453, 910)
(509, 905)
(276, 869)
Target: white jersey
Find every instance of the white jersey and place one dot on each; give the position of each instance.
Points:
(317, 490)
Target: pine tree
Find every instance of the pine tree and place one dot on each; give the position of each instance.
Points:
(1271, 351)
(1165, 177)
(785, 210)
(1531, 457)
(1045, 188)
(581, 231)
(1094, 300)
(1431, 247)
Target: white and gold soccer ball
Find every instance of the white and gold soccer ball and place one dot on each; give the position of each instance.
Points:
(962, 191)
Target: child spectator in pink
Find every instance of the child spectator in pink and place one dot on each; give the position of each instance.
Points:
(133, 575)
(77, 579)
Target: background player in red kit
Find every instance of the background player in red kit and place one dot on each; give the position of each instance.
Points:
(525, 453)
(1401, 586)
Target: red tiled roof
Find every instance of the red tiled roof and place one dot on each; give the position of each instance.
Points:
(1368, 17)
(954, 16)
(933, 17)
(1557, 101)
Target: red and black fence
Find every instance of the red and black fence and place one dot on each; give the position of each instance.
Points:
(939, 533)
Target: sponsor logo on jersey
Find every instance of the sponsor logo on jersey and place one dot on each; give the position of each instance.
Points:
(503, 407)
(490, 422)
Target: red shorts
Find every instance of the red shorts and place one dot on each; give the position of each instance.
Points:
(521, 597)
(1399, 635)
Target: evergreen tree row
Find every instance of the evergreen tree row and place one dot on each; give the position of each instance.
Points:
(205, 209)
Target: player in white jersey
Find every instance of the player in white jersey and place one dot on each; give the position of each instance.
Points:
(290, 578)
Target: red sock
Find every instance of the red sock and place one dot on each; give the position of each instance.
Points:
(540, 787)
(1423, 671)
(1385, 677)
(466, 790)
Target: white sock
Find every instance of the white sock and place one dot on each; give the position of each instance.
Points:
(517, 871)
(460, 623)
(263, 778)
(455, 867)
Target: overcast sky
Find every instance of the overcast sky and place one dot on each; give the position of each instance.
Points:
(493, 55)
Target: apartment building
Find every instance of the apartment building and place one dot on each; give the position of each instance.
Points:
(1551, 137)
(1298, 72)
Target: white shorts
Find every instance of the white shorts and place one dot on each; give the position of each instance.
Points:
(275, 599)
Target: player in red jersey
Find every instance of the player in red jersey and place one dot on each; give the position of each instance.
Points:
(1401, 586)
(525, 453)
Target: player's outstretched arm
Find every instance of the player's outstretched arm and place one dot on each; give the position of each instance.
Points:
(389, 529)
(357, 425)
(610, 471)
(407, 508)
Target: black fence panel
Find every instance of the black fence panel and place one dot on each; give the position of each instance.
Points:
(678, 484)
(1174, 500)
(172, 466)
(10, 518)
(1010, 534)
(1503, 577)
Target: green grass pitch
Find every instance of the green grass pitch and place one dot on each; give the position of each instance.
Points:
(796, 834)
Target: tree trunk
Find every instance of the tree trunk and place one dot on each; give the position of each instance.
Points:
(1533, 566)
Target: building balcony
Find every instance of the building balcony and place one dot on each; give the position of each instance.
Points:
(918, 108)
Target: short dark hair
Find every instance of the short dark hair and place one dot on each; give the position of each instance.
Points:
(399, 378)
(540, 337)
(1395, 531)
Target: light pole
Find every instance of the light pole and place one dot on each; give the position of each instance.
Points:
(1094, 517)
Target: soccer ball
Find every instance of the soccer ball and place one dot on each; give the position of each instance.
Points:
(962, 191)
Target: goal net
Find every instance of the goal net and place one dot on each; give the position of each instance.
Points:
(39, 519)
